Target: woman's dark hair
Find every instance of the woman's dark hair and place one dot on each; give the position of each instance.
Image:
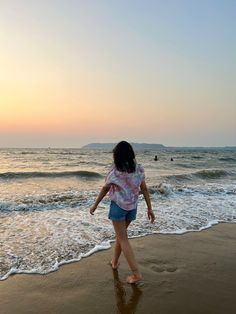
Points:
(124, 157)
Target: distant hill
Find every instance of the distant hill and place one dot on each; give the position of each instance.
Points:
(136, 146)
(146, 146)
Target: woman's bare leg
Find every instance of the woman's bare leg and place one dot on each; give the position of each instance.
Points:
(121, 235)
(117, 249)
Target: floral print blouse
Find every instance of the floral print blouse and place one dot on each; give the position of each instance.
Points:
(125, 186)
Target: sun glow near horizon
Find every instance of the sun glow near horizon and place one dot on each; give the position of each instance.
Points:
(94, 73)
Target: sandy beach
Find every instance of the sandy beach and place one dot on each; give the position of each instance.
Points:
(190, 273)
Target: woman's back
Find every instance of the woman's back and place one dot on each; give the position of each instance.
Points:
(125, 185)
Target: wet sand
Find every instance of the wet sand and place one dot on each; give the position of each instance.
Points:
(190, 273)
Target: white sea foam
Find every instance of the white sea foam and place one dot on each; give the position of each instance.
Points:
(45, 221)
(39, 242)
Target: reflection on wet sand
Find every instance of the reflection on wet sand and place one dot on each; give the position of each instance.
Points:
(126, 306)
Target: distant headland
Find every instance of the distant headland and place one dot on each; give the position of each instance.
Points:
(136, 146)
(146, 146)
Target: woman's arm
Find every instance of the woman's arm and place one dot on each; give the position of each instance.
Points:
(146, 195)
(100, 196)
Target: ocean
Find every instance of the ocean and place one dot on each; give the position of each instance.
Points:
(46, 194)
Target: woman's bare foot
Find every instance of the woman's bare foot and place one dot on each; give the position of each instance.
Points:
(113, 265)
(135, 278)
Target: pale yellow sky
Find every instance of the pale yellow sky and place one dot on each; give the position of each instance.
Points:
(74, 73)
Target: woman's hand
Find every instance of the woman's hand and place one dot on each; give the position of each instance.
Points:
(100, 196)
(151, 215)
(92, 209)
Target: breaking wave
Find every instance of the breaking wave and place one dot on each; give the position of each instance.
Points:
(201, 174)
(212, 174)
(38, 174)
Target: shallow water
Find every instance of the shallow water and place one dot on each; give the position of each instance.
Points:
(46, 193)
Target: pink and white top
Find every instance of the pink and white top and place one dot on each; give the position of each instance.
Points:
(125, 187)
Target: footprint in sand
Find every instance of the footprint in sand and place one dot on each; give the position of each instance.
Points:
(160, 266)
(163, 268)
(171, 269)
(157, 269)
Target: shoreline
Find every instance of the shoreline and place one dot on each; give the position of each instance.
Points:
(107, 246)
(192, 272)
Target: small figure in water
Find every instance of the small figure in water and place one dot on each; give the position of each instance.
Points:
(171, 159)
(155, 158)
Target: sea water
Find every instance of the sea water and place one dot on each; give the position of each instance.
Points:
(45, 195)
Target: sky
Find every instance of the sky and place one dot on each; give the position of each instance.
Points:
(156, 71)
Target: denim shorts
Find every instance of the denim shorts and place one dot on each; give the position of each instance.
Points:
(118, 214)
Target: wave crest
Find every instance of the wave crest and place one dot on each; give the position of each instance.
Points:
(205, 174)
(38, 174)
(211, 174)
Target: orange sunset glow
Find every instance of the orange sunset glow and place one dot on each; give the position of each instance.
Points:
(65, 71)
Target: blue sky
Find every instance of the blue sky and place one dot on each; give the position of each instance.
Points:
(80, 71)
